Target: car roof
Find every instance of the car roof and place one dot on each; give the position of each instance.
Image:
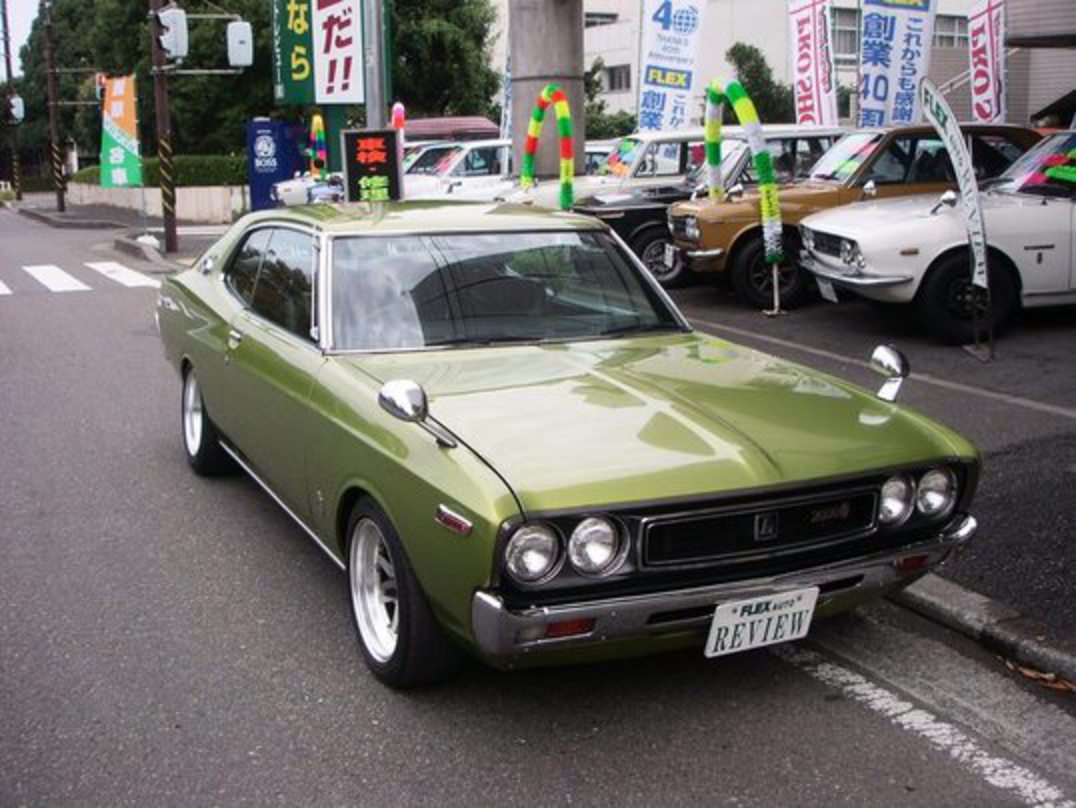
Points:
(424, 216)
(768, 130)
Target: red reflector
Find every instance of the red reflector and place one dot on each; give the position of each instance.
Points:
(569, 628)
(912, 563)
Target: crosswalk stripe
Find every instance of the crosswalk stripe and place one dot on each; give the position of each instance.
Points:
(55, 279)
(115, 271)
(4, 290)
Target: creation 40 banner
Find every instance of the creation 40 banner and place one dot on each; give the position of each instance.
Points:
(668, 51)
(895, 45)
(318, 52)
(121, 165)
(813, 79)
(986, 49)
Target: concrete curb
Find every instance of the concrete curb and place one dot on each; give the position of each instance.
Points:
(995, 625)
(130, 245)
(70, 224)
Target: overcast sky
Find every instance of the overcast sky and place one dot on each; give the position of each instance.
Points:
(20, 13)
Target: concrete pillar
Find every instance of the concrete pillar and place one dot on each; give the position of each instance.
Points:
(546, 42)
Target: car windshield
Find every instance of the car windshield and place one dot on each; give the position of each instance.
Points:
(845, 157)
(405, 292)
(434, 160)
(621, 160)
(1049, 169)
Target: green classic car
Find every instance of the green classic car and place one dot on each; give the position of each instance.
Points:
(499, 425)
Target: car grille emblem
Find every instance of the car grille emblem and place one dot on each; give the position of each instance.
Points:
(765, 526)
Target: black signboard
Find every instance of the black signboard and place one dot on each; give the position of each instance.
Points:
(372, 165)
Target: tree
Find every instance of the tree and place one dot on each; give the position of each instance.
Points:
(602, 125)
(773, 100)
(442, 54)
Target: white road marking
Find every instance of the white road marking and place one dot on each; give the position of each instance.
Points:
(55, 279)
(925, 378)
(4, 290)
(115, 271)
(1022, 783)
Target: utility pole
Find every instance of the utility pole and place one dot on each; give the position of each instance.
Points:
(14, 130)
(373, 25)
(164, 130)
(54, 112)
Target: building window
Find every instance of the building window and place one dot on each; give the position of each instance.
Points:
(618, 78)
(845, 38)
(950, 31)
(592, 18)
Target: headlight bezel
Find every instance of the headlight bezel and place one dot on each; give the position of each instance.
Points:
(616, 560)
(691, 228)
(553, 569)
(954, 492)
(909, 508)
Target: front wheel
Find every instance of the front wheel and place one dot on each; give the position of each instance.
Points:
(650, 247)
(949, 305)
(752, 277)
(201, 441)
(400, 640)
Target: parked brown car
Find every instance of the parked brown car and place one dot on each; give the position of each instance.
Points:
(727, 235)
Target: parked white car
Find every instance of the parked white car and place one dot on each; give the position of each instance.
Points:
(459, 168)
(915, 251)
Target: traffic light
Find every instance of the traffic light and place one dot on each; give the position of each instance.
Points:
(173, 36)
(240, 44)
(16, 109)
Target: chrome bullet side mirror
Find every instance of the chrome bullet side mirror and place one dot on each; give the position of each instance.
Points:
(948, 199)
(892, 364)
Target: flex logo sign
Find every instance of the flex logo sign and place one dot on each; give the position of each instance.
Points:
(667, 77)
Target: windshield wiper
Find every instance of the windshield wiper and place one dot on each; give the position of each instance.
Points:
(637, 328)
(481, 341)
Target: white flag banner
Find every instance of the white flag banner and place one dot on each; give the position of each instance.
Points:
(896, 38)
(940, 116)
(813, 77)
(986, 50)
(338, 59)
(668, 52)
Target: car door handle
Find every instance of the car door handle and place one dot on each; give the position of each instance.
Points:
(234, 338)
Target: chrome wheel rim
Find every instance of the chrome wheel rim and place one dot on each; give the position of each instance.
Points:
(653, 259)
(373, 590)
(192, 414)
(761, 275)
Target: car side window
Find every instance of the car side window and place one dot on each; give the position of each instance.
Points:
(660, 160)
(992, 154)
(482, 162)
(808, 150)
(891, 164)
(285, 290)
(242, 272)
(931, 162)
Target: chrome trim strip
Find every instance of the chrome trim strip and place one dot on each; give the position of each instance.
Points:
(714, 253)
(235, 456)
(853, 279)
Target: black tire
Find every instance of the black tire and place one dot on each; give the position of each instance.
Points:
(419, 652)
(752, 277)
(944, 301)
(650, 247)
(201, 440)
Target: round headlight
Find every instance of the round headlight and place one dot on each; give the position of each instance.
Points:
(595, 547)
(936, 494)
(846, 251)
(531, 553)
(895, 503)
(691, 228)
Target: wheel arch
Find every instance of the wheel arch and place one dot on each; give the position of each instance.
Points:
(994, 254)
(644, 227)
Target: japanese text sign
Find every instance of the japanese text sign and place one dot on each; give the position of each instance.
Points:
(372, 164)
(896, 40)
(121, 166)
(813, 81)
(667, 72)
(318, 52)
(986, 50)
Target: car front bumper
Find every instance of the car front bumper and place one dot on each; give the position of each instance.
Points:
(895, 288)
(697, 259)
(503, 633)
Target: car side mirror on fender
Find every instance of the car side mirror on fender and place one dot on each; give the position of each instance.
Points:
(870, 190)
(947, 199)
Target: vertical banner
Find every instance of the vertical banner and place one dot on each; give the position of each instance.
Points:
(318, 52)
(896, 38)
(813, 78)
(668, 48)
(121, 165)
(506, 104)
(940, 116)
(986, 51)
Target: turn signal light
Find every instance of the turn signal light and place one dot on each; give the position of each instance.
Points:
(569, 628)
(912, 563)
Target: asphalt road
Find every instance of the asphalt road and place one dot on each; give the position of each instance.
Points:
(170, 640)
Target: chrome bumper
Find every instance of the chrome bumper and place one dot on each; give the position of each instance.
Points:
(501, 632)
(853, 279)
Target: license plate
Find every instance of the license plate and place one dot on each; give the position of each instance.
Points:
(670, 255)
(757, 622)
(826, 289)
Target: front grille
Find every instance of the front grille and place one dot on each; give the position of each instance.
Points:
(827, 243)
(736, 535)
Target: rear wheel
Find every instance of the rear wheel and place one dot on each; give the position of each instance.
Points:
(650, 247)
(948, 304)
(400, 640)
(201, 441)
(752, 277)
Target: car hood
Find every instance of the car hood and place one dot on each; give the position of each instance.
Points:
(796, 196)
(612, 421)
(657, 196)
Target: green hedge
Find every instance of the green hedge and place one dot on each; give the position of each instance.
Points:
(190, 169)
